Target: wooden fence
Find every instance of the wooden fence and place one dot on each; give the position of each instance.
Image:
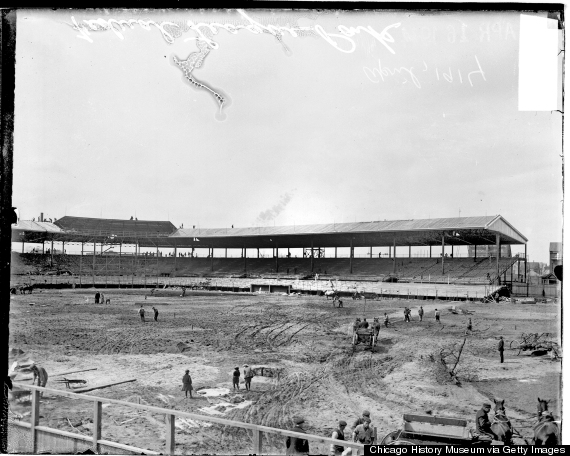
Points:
(38, 433)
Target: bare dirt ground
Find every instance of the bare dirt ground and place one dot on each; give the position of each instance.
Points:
(304, 346)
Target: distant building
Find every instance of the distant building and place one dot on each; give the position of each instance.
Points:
(489, 251)
(555, 255)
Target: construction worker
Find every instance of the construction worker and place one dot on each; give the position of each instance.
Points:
(187, 383)
(155, 313)
(363, 433)
(482, 422)
(247, 375)
(437, 316)
(421, 313)
(141, 313)
(356, 324)
(376, 325)
(365, 416)
(235, 378)
(501, 348)
(338, 433)
(296, 445)
(40, 374)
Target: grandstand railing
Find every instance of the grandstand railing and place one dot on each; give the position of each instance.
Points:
(170, 416)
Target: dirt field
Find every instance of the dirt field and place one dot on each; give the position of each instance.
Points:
(304, 346)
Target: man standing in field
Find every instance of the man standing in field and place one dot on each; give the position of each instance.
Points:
(187, 383)
(501, 348)
(247, 375)
(437, 316)
(155, 314)
(141, 313)
(97, 295)
(386, 319)
(421, 313)
(235, 378)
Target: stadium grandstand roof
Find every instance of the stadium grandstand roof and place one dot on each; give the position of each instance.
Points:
(116, 227)
(454, 231)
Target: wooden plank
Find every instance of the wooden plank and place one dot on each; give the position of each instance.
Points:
(126, 447)
(192, 416)
(105, 385)
(436, 429)
(257, 442)
(71, 435)
(73, 372)
(97, 415)
(170, 434)
(35, 419)
(435, 420)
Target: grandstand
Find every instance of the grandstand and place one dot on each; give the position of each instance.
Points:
(98, 236)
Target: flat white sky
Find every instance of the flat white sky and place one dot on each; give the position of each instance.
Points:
(110, 128)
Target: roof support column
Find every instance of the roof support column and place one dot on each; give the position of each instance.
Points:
(43, 247)
(80, 264)
(351, 254)
(212, 260)
(335, 252)
(370, 251)
(443, 253)
(498, 244)
(120, 253)
(525, 263)
(22, 246)
(258, 252)
(276, 257)
(244, 259)
(226, 253)
(312, 256)
(475, 252)
(394, 265)
(410, 251)
(175, 255)
(430, 251)
(93, 275)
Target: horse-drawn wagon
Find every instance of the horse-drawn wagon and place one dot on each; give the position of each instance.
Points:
(433, 430)
(365, 336)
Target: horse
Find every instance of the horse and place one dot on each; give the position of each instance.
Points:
(546, 431)
(331, 294)
(501, 425)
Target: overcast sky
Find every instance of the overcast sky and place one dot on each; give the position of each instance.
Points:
(108, 127)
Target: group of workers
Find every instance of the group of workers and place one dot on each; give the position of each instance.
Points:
(100, 298)
(362, 432)
(142, 313)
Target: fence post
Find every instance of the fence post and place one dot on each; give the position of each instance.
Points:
(170, 442)
(97, 412)
(257, 441)
(35, 419)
